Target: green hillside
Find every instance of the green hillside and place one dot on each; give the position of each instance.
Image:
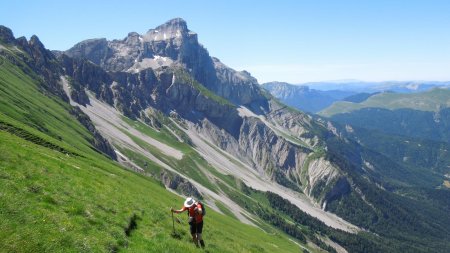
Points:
(59, 194)
(432, 100)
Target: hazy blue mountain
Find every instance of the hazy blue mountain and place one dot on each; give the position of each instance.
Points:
(405, 122)
(359, 97)
(304, 98)
(371, 87)
(315, 97)
(423, 115)
(431, 100)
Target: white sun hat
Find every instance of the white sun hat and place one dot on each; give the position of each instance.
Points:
(189, 202)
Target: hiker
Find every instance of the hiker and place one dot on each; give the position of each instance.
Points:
(195, 219)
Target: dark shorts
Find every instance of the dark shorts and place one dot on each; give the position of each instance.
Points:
(196, 228)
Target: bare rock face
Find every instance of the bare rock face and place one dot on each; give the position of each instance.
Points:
(172, 39)
(6, 35)
(237, 86)
(95, 50)
(174, 28)
(79, 96)
(273, 156)
(86, 74)
(267, 149)
(179, 184)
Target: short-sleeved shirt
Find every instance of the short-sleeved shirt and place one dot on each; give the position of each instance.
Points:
(198, 217)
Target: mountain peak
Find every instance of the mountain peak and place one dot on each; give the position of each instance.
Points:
(174, 28)
(6, 35)
(176, 22)
(34, 40)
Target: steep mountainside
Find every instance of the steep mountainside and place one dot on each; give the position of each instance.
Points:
(168, 110)
(304, 98)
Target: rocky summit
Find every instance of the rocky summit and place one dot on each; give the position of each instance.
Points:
(170, 44)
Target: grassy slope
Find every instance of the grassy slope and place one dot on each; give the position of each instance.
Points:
(425, 101)
(65, 203)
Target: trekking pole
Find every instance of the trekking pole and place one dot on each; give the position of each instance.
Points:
(174, 233)
(173, 223)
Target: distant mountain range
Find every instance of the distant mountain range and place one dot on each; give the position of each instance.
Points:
(423, 115)
(371, 87)
(432, 100)
(303, 97)
(315, 97)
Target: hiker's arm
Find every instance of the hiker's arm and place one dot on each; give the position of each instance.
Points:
(177, 211)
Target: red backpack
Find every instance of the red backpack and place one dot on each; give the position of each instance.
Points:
(203, 208)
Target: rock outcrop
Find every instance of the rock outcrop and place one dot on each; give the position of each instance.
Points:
(6, 35)
(95, 50)
(179, 184)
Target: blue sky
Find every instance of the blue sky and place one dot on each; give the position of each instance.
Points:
(294, 41)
